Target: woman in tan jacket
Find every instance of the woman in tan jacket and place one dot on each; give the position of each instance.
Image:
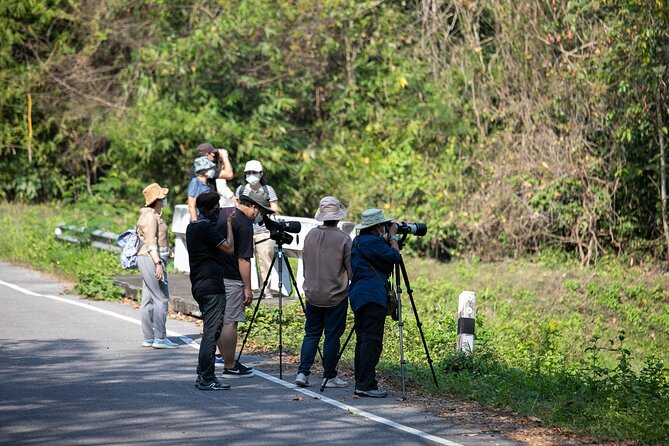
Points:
(151, 260)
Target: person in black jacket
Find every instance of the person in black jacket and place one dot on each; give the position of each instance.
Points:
(204, 242)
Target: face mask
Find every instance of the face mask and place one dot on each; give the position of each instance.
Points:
(253, 179)
(383, 231)
(212, 215)
(210, 173)
(163, 202)
(258, 219)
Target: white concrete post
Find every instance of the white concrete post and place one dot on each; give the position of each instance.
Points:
(466, 319)
(180, 221)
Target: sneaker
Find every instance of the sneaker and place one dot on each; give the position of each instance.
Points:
(147, 343)
(163, 343)
(302, 380)
(219, 361)
(214, 385)
(373, 393)
(334, 382)
(240, 371)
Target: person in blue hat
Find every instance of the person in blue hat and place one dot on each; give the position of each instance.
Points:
(203, 167)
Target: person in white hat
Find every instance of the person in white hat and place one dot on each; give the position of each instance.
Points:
(151, 259)
(374, 253)
(327, 271)
(264, 251)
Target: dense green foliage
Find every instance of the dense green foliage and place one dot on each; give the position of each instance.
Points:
(506, 126)
(580, 349)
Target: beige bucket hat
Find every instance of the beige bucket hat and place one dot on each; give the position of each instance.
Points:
(372, 217)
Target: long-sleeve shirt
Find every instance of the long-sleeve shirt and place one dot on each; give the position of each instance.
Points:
(327, 266)
(368, 286)
(152, 232)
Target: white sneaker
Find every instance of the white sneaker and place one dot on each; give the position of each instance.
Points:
(163, 343)
(335, 382)
(302, 380)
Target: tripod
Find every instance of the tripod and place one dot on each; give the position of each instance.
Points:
(400, 273)
(280, 256)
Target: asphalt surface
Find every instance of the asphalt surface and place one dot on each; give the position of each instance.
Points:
(73, 371)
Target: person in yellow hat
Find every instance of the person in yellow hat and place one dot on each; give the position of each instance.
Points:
(151, 260)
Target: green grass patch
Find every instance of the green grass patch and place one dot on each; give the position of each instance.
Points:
(583, 349)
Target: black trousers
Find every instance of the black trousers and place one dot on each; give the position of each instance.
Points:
(369, 321)
(212, 308)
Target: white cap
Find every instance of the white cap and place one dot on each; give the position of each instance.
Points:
(253, 166)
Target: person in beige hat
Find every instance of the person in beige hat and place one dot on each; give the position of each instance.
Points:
(374, 253)
(327, 270)
(151, 260)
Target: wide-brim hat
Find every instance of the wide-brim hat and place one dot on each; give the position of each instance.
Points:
(372, 217)
(154, 192)
(202, 163)
(330, 209)
(259, 198)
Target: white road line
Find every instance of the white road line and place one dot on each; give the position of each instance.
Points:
(350, 409)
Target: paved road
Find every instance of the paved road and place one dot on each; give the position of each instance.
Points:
(73, 371)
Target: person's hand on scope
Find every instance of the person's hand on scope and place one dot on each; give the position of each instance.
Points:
(391, 236)
(392, 230)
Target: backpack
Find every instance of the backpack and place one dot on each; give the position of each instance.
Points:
(130, 244)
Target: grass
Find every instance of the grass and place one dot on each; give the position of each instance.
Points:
(583, 349)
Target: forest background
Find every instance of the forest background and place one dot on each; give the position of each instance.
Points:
(512, 128)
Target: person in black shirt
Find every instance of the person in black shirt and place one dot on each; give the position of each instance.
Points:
(237, 274)
(204, 243)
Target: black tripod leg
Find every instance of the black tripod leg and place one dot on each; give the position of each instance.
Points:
(255, 310)
(299, 296)
(339, 355)
(418, 322)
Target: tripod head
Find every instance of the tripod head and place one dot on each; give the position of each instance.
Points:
(279, 229)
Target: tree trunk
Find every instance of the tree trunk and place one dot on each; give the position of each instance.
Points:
(663, 168)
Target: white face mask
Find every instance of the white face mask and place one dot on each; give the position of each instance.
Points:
(210, 173)
(253, 179)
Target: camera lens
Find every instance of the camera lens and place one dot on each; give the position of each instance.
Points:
(417, 229)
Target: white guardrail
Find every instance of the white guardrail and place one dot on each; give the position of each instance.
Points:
(294, 249)
(107, 241)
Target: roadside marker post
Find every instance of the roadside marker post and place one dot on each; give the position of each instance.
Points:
(466, 321)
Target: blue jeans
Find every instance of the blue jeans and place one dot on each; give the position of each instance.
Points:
(212, 308)
(332, 320)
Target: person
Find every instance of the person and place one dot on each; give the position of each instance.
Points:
(199, 185)
(264, 246)
(237, 275)
(151, 260)
(204, 243)
(217, 176)
(373, 253)
(327, 269)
